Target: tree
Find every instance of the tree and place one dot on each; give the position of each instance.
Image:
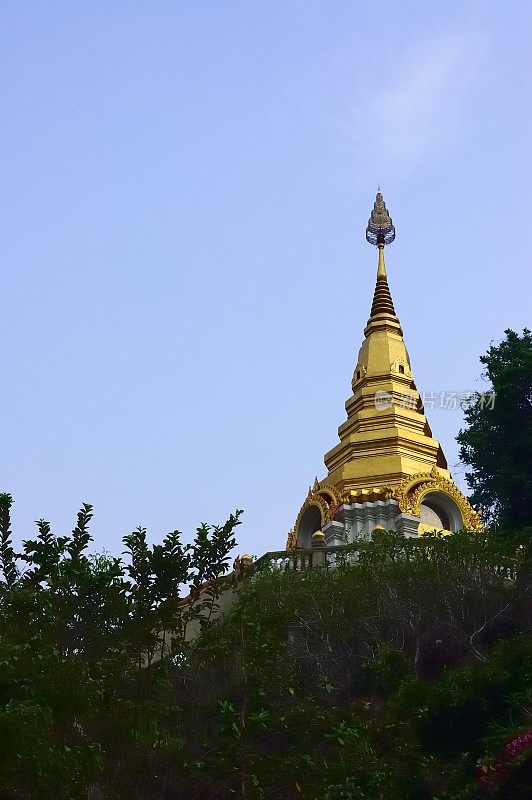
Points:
(380, 678)
(82, 694)
(497, 440)
(397, 674)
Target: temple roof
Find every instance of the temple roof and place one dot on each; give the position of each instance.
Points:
(386, 449)
(382, 442)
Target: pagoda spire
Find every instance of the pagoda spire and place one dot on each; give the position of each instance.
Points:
(380, 231)
(387, 470)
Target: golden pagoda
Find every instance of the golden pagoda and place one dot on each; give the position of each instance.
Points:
(387, 471)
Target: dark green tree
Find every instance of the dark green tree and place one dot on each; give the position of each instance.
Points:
(401, 674)
(497, 440)
(379, 679)
(83, 698)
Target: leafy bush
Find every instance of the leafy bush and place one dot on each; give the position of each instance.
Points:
(400, 677)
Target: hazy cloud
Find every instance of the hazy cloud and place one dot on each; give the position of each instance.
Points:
(414, 105)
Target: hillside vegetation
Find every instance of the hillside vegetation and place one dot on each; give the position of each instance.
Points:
(403, 676)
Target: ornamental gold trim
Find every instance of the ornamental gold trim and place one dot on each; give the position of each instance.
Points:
(358, 375)
(291, 540)
(414, 489)
(326, 498)
(394, 368)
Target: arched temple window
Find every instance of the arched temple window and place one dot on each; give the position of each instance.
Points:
(431, 514)
(309, 524)
(439, 511)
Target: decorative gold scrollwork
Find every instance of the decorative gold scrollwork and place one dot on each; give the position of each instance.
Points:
(410, 494)
(326, 498)
(291, 540)
(358, 374)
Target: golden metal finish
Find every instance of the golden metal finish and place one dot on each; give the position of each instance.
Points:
(291, 540)
(413, 490)
(386, 448)
(381, 268)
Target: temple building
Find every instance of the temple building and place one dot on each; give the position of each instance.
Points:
(387, 471)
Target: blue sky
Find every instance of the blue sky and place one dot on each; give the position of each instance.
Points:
(185, 280)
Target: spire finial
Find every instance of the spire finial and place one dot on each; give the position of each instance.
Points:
(380, 229)
(380, 232)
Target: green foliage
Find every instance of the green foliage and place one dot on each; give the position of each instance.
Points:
(7, 555)
(497, 441)
(379, 679)
(385, 672)
(454, 715)
(401, 676)
(84, 701)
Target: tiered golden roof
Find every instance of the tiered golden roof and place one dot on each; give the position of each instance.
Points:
(386, 443)
(386, 436)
